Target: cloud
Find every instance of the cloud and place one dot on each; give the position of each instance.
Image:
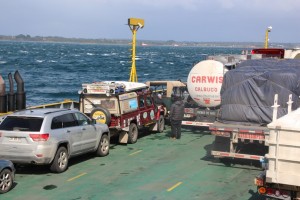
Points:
(165, 4)
(261, 5)
(186, 19)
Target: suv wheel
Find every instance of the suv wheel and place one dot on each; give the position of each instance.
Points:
(132, 133)
(60, 161)
(6, 181)
(103, 148)
(161, 124)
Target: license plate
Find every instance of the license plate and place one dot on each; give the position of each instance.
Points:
(251, 136)
(14, 139)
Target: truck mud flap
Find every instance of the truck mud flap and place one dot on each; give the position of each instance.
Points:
(123, 137)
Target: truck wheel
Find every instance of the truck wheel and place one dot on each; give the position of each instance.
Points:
(60, 161)
(103, 148)
(101, 115)
(6, 181)
(133, 133)
(161, 124)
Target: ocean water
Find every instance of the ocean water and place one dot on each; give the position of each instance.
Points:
(55, 71)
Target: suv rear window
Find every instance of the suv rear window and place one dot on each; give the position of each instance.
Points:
(14, 123)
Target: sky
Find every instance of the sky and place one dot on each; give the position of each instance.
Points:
(179, 20)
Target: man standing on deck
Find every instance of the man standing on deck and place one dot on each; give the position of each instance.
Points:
(176, 116)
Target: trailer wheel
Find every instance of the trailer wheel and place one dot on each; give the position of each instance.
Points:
(101, 115)
(161, 124)
(133, 133)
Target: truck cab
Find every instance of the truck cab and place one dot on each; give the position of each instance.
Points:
(124, 106)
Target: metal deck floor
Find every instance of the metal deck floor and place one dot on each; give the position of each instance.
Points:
(155, 168)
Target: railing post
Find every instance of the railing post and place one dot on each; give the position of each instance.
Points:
(290, 102)
(275, 108)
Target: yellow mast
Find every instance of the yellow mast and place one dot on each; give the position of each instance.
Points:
(134, 24)
(267, 37)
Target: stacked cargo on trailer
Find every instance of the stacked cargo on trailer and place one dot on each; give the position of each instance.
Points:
(247, 105)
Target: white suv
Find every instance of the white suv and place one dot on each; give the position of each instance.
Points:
(51, 136)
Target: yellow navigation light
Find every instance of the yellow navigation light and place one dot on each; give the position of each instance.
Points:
(267, 37)
(136, 22)
(134, 25)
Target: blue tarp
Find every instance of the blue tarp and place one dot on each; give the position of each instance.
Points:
(247, 93)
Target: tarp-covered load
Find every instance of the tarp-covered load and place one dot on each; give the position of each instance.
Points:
(247, 93)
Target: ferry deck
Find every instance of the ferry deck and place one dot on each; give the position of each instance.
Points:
(154, 168)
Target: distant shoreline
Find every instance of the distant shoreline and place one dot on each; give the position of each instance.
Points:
(55, 39)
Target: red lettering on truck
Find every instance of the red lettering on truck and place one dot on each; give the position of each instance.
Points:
(206, 89)
(211, 79)
(220, 79)
(207, 79)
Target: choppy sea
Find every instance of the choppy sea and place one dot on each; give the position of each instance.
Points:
(53, 72)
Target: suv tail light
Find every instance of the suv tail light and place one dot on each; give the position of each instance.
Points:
(39, 137)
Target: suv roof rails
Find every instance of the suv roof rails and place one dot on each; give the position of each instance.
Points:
(53, 110)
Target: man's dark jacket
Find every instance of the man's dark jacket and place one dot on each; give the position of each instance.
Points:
(177, 110)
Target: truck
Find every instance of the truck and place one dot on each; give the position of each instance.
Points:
(206, 77)
(204, 84)
(248, 96)
(126, 107)
(281, 176)
(203, 107)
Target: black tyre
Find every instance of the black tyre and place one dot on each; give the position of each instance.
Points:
(103, 148)
(161, 124)
(6, 181)
(101, 115)
(60, 161)
(133, 133)
(228, 162)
